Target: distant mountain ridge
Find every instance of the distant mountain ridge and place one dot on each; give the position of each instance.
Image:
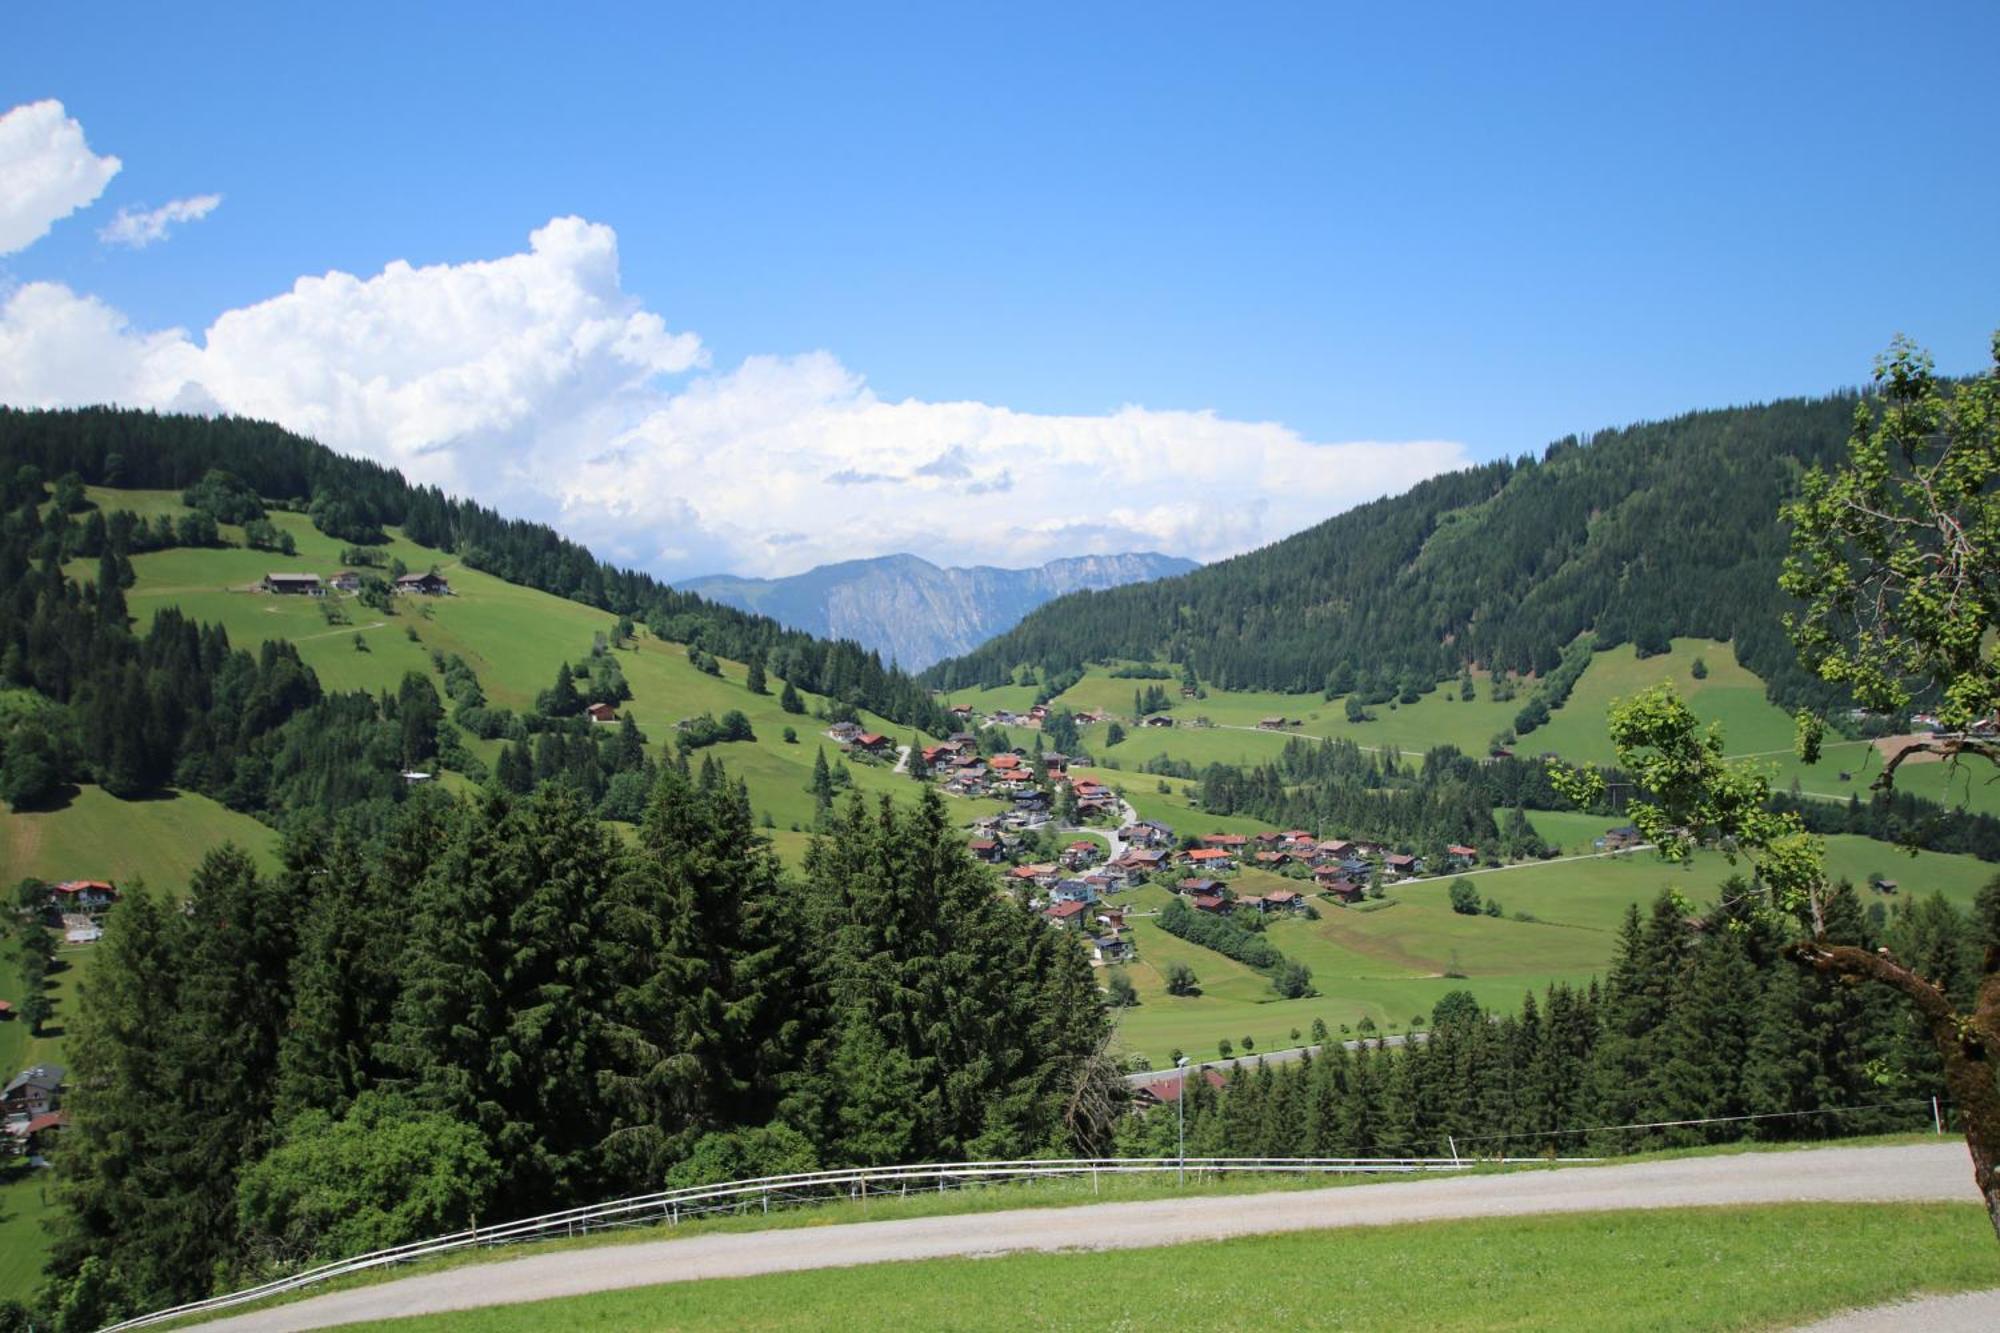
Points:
(917, 613)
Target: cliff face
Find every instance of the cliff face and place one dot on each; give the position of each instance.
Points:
(916, 613)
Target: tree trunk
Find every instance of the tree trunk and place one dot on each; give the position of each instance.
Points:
(1967, 1044)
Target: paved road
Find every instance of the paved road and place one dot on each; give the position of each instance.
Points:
(1524, 865)
(1126, 815)
(1968, 1312)
(1921, 1173)
(1284, 1057)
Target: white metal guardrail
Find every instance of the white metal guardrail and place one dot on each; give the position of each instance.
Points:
(809, 1187)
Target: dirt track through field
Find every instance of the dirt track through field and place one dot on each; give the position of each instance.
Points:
(1926, 1172)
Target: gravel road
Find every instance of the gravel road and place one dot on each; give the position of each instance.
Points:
(1924, 1172)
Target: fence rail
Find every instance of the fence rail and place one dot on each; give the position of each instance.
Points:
(810, 1187)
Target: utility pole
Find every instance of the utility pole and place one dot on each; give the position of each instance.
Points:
(1181, 1103)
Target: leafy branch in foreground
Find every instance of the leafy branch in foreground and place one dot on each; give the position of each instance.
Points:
(1897, 557)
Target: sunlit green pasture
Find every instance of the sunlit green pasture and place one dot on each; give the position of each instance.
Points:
(1388, 961)
(513, 637)
(1661, 1269)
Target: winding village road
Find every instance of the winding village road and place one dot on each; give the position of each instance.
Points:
(1925, 1172)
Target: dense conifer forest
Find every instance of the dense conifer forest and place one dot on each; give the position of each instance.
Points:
(1700, 1018)
(493, 1007)
(1638, 534)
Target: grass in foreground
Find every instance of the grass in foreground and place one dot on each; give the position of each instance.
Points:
(1671, 1269)
(1054, 1192)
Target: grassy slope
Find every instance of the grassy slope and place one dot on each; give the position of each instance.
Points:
(1729, 695)
(1385, 965)
(93, 836)
(1388, 963)
(513, 637)
(1668, 1269)
(24, 1207)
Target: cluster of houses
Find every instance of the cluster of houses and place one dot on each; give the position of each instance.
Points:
(349, 580)
(1069, 891)
(959, 767)
(31, 1110)
(968, 716)
(1339, 867)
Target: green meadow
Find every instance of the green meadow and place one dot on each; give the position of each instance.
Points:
(513, 637)
(1659, 1269)
(91, 836)
(1386, 962)
(1391, 961)
(1728, 695)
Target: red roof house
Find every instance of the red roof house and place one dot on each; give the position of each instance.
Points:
(1168, 1088)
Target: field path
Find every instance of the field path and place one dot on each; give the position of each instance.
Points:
(1311, 736)
(336, 633)
(1925, 1172)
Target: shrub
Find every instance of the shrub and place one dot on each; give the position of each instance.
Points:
(382, 1174)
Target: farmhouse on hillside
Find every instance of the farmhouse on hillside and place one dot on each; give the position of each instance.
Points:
(430, 584)
(32, 1092)
(85, 895)
(294, 585)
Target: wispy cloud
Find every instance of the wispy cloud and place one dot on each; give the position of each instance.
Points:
(47, 172)
(139, 228)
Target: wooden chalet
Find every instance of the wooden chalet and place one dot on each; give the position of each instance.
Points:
(431, 584)
(293, 585)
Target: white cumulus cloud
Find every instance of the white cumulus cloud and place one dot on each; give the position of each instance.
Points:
(535, 382)
(139, 228)
(47, 172)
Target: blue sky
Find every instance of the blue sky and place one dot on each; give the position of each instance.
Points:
(1449, 225)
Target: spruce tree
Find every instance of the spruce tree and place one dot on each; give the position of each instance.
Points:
(708, 1008)
(504, 1020)
(822, 788)
(1709, 1035)
(120, 1231)
(996, 1019)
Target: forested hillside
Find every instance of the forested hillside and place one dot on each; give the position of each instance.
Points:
(1639, 534)
(354, 500)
